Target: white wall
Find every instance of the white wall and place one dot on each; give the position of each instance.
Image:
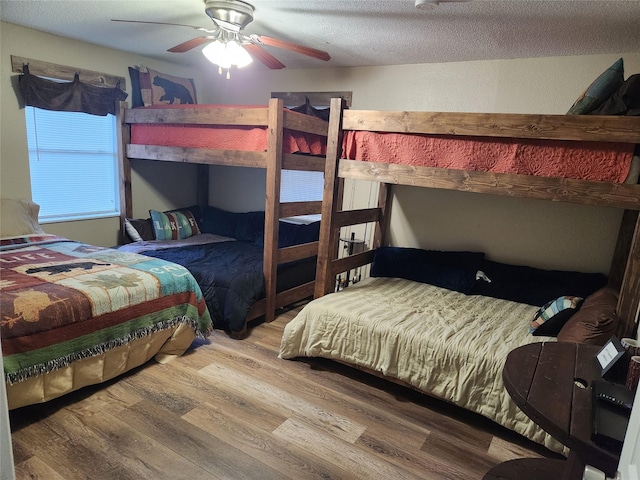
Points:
(155, 185)
(515, 230)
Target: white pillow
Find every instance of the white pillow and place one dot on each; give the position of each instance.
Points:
(19, 217)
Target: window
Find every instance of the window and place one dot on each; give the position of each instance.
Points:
(74, 164)
(302, 186)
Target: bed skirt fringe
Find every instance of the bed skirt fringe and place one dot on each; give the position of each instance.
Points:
(51, 365)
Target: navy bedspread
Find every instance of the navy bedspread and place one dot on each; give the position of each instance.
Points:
(231, 279)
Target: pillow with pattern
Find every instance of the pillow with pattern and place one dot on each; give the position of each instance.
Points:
(551, 317)
(174, 225)
(600, 89)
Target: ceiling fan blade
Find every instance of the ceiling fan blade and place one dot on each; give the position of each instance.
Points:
(292, 47)
(265, 57)
(162, 23)
(190, 44)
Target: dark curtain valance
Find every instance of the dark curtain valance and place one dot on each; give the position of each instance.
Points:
(69, 96)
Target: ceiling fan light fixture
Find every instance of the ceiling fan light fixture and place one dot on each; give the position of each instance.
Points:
(227, 54)
(427, 4)
(232, 15)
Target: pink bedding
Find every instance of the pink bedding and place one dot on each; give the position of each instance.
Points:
(599, 161)
(232, 137)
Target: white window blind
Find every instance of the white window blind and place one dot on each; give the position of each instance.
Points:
(301, 186)
(73, 163)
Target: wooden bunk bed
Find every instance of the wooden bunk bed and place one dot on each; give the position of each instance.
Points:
(274, 125)
(625, 268)
(442, 342)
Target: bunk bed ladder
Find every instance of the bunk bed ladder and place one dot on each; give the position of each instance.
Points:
(334, 217)
(279, 119)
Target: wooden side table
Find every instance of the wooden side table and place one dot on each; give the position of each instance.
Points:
(550, 382)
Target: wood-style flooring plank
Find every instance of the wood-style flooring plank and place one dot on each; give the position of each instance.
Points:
(295, 379)
(36, 469)
(232, 409)
(285, 403)
(280, 454)
(199, 446)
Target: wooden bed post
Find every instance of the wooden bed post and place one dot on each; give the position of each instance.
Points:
(272, 203)
(331, 202)
(382, 226)
(124, 170)
(629, 301)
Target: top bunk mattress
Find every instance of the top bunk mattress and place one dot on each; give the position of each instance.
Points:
(595, 161)
(222, 137)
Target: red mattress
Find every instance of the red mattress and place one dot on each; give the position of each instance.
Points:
(599, 161)
(224, 137)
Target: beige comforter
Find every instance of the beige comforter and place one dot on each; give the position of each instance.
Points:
(444, 343)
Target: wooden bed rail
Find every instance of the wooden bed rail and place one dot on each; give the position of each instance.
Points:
(549, 127)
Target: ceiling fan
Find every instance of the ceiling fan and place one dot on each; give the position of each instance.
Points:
(225, 42)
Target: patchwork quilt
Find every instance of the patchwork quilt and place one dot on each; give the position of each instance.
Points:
(62, 301)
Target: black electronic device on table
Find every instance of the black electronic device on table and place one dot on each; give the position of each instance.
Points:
(610, 410)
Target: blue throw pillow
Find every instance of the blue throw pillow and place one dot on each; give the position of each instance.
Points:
(245, 226)
(600, 90)
(447, 269)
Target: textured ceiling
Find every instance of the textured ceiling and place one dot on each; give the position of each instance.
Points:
(354, 32)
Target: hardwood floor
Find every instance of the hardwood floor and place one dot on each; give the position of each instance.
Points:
(232, 409)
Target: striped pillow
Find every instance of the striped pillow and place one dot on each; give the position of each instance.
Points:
(551, 317)
(173, 225)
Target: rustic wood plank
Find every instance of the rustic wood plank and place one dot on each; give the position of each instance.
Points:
(304, 123)
(200, 116)
(272, 203)
(297, 252)
(64, 72)
(311, 163)
(292, 209)
(331, 202)
(352, 261)
(382, 225)
(355, 217)
(124, 172)
(198, 155)
(553, 127)
(527, 186)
